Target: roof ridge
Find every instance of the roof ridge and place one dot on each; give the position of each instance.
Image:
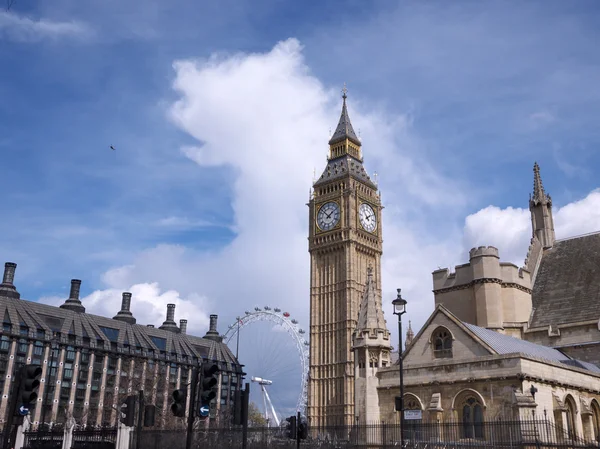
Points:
(577, 236)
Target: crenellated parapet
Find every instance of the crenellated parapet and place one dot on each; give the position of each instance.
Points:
(485, 292)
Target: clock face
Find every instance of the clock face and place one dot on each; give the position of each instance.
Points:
(367, 216)
(328, 216)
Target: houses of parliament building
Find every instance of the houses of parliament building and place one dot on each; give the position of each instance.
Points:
(503, 341)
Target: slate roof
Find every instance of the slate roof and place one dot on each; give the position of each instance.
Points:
(343, 166)
(37, 316)
(344, 128)
(504, 344)
(567, 286)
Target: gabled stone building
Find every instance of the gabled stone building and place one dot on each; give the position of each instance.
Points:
(458, 372)
(504, 342)
(94, 362)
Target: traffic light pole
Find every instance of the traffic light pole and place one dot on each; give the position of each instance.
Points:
(12, 410)
(140, 417)
(192, 409)
(298, 431)
(245, 417)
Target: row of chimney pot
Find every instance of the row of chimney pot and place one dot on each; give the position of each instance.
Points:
(7, 288)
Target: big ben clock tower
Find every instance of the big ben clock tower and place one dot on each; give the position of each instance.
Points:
(345, 239)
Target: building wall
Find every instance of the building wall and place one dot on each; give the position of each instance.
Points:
(86, 384)
(486, 292)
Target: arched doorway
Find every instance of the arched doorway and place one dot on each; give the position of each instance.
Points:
(414, 412)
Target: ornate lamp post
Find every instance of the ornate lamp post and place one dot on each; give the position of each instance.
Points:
(400, 309)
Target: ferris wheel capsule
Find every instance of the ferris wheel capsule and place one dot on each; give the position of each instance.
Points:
(285, 314)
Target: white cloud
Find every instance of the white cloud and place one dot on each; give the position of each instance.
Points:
(510, 229)
(24, 29)
(265, 116)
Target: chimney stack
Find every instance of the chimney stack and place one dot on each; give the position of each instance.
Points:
(7, 288)
(150, 325)
(125, 314)
(183, 326)
(73, 303)
(212, 333)
(170, 324)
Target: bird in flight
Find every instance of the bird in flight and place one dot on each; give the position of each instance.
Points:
(112, 148)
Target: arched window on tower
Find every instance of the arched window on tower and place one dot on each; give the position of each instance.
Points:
(571, 417)
(470, 411)
(442, 343)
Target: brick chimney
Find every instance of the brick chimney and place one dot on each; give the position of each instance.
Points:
(212, 333)
(125, 314)
(73, 303)
(7, 288)
(183, 326)
(170, 324)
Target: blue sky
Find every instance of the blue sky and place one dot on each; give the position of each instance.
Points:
(219, 111)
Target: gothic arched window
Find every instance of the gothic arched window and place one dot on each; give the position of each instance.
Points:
(442, 343)
(571, 414)
(471, 413)
(596, 420)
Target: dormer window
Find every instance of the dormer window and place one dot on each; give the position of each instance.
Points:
(442, 343)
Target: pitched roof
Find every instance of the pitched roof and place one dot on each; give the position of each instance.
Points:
(501, 344)
(103, 331)
(344, 128)
(567, 285)
(505, 344)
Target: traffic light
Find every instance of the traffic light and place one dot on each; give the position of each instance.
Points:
(290, 427)
(179, 399)
(209, 381)
(303, 429)
(29, 384)
(128, 411)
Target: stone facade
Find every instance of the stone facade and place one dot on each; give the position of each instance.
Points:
(495, 372)
(345, 238)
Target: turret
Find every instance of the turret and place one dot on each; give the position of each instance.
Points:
(540, 206)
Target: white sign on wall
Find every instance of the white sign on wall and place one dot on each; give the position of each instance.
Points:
(413, 414)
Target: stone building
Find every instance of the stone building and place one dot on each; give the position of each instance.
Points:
(345, 238)
(553, 300)
(508, 342)
(93, 362)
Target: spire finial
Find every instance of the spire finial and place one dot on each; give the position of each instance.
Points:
(539, 196)
(344, 92)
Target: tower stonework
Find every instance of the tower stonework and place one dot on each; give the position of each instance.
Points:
(540, 206)
(371, 347)
(345, 238)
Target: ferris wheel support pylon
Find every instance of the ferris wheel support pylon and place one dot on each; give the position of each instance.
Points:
(291, 327)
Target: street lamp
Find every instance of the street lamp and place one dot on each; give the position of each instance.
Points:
(400, 309)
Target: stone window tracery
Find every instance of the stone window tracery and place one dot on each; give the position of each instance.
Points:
(571, 416)
(442, 343)
(596, 420)
(471, 414)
